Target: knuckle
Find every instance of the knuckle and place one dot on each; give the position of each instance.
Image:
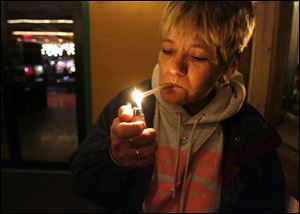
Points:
(125, 129)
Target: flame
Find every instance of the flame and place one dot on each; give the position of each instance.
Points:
(137, 96)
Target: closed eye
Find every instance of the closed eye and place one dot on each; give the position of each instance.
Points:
(167, 51)
(199, 59)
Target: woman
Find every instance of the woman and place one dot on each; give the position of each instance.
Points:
(202, 148)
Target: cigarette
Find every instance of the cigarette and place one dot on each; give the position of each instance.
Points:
(153, 91)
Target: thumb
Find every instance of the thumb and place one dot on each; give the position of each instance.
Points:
(125, 113)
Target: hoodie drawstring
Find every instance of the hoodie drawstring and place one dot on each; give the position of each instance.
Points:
(186, 178)
(177, 156)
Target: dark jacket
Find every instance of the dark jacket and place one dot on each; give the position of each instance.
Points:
(252, 177)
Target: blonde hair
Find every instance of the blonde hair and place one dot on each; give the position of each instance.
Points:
(226, 25)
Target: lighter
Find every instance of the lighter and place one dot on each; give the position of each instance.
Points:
(138, 114)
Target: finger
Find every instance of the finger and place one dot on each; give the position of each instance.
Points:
(125, 113)
(122, 151)
(130, 159)
(145, 138)
(141, 153)
(127, 129)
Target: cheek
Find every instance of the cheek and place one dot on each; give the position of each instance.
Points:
(200, 90)
(201, 83)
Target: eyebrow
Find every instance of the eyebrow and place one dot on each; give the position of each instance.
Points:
(204, 47)
(194, 45)
(168, 40)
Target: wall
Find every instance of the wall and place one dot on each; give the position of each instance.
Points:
(263, 46)
(270, 54)
(124, 45)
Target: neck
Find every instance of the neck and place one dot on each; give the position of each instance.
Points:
(194, 108)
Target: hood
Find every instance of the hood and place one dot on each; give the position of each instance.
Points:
(227, 101)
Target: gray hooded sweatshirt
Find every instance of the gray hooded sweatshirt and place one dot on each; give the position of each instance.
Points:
(187, 166)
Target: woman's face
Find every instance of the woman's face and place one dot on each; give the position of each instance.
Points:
(192, 68)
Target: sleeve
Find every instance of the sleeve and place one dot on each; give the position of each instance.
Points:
(94, 175)
(253, 173)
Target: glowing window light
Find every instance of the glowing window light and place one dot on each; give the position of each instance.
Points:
(39, 69)
(60, 63)
(40, 21)
(57, 49)
(70, 63)
(43, 33)
(73, 69)
(29, 70)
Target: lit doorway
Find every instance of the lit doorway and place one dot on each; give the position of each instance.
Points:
(40, 82)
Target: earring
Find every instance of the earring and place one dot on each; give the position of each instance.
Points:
(223, 82)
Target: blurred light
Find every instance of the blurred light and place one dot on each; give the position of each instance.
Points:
(69, 63)
(52, 62)
(28, 70)
(57, 49)
(39, 79)
(60, 63)
(19, 40)
(39, 69)
(72, 69)
(40, 21)
(42, 33)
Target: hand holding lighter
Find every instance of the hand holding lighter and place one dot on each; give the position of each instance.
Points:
(138, 114)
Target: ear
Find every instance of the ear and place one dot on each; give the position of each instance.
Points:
(233, 65)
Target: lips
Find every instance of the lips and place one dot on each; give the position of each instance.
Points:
(172, 85)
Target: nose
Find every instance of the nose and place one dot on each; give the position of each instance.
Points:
(178, 66)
